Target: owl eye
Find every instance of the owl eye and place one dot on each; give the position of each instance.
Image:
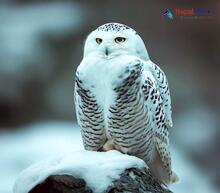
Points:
(120, 39)
(98, 40)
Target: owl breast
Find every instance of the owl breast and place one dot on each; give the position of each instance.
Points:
(116, 85)
(101, 75)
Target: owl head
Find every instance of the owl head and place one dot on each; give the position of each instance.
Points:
(114, 39)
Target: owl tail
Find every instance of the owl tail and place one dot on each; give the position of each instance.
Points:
(173, 178)
(163, 176)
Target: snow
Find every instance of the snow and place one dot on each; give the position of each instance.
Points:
(98, 169)
(33, 143)
(197, 128)
(52, 139)
(192, 179)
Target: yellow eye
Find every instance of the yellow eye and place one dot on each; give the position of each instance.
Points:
(120, 39)
(98, 40)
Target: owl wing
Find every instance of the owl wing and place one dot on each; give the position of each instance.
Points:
(89, 117)
(155, 103)
(163, 88)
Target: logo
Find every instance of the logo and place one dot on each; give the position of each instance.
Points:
(191, 13)
(168, 13)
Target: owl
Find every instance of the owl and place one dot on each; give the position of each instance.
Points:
(122, 99)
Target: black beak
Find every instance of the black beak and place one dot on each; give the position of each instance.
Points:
(106, 51)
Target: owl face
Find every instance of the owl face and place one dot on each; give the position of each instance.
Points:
(113, 39)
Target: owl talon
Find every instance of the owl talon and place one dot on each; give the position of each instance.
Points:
(108, 145)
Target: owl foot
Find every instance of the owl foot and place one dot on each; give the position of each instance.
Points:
(108, 145)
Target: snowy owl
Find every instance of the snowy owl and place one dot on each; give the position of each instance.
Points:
(122, 99)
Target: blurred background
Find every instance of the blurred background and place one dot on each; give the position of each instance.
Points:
(41, 44)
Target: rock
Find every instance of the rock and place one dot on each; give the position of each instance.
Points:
(137, 181)
(61, 184)
(89, 171)
(132, 180)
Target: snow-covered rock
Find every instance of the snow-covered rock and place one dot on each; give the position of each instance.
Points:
(98, 169)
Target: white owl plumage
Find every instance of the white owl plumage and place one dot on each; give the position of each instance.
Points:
(122, 99)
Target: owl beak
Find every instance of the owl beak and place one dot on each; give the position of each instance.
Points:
(106, 51)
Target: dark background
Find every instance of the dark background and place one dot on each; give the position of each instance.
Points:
(41, 44)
